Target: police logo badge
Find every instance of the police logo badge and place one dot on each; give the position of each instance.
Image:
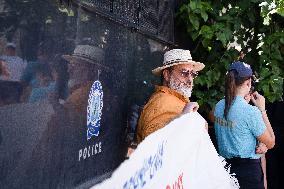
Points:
(94, 110)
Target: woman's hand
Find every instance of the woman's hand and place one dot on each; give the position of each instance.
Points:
(261, 149)
(258, 100)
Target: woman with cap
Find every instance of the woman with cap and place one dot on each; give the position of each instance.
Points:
(239, 127)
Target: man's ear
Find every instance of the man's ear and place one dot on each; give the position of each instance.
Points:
(166, 74)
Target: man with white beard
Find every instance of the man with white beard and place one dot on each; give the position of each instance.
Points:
(64, 152)
(171, 99)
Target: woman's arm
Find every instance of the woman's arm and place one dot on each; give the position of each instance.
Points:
(268, 137)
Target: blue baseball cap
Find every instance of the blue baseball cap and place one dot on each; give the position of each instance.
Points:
(243, 69)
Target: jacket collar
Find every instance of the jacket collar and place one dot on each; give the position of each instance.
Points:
(168, 90)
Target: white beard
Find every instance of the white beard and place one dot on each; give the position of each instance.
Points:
(180, 87)
(185, 91)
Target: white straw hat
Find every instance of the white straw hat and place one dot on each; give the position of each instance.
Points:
(176, 57)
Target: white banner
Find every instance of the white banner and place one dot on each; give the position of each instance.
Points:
(178, 156)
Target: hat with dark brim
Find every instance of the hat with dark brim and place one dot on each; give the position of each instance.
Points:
(87, 54)
(176, 57)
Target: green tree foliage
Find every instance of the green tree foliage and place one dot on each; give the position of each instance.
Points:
(216, 28)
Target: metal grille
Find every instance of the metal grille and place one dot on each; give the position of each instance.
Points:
(151, 17)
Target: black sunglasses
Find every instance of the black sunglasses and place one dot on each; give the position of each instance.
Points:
(186, 74)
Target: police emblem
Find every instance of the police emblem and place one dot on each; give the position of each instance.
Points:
(94, 110)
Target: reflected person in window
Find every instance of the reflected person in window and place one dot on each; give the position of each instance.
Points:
(83, 65)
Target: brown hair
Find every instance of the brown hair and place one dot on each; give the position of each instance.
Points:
(232, 81)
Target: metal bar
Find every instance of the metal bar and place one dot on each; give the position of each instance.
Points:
(133, 26)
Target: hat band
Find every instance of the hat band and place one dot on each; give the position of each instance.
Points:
(86, 56)
(176, 60)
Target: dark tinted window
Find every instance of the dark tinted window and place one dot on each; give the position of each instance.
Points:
(68, 77)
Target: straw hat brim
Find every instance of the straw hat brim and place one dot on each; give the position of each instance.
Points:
(72, 58)
(197, 66)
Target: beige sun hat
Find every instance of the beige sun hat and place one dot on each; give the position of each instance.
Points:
(87, 53)
(176, 57)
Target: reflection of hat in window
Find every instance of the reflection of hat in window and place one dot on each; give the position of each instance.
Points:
(87, 54)
(11, 45)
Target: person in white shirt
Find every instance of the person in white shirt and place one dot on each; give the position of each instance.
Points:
(15, 65)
